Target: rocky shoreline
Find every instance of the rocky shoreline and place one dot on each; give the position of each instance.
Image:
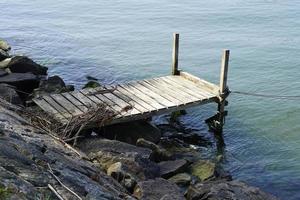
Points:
(137, 160)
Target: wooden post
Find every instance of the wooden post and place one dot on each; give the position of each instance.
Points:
(175, 54)
(223, 88)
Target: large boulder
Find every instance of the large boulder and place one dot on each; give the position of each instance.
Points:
(3, 55)
(24, 82)
(23, 64)
(8, 93)
(157, 189)
(52, 85)
(219, 190)
(172, 167)
(4, 45)
(130, 132)
(93, 145)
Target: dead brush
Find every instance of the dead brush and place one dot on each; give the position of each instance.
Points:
(96, 116)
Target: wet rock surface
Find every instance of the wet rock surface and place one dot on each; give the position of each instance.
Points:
(219, 190)
(25, 82)
(157, 189)
(52, 85)
(8, 93)
(182, 179)
(170, 168)
(23, 64)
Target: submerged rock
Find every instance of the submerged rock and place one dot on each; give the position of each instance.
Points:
(8, 93)
(52, 85)
(3, 55)
(219, 190)
(23, 64)
(157, 189)
(92, 84)
(203, 169)
(4, 45)
(170, 168)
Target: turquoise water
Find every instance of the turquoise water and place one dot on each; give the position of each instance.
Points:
(124, 40)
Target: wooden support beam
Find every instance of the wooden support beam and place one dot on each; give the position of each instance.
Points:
(175, 54)
(224, 71)
(223, 89)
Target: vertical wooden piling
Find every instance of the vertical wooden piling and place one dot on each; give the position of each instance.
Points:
(175, 54)
(223, 88)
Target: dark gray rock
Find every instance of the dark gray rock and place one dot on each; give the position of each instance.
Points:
(24, 82)
(219, 190)
(3, 55)
(3, 73)
(158, 153)
(8, 93)
(4, 45)
(157, 189)
(93, 145)
(23, 64)
(170, 168)
(52, 85)
(25, 154)
(182, 179)
(132, 131)
(134, 161)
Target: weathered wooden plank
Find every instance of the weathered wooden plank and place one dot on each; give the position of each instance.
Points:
(127, 109)
(72, 109)
(142, 96)
(210, 86)
(154, 95)
(49, 109)
(160, 92)
(207, 92)
(161, 111)
(180, 93)
(180, 85)
(133, 99)
(57, 106)
(83, 99)
(189, 87)
(170, 91)
(75, 101)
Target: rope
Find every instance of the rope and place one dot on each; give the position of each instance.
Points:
(287, 97)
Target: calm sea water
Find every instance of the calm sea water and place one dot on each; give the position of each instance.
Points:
(124, 40)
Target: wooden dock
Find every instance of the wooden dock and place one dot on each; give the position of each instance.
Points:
(142, 99)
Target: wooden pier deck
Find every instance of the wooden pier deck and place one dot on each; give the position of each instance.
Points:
(144, 98)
